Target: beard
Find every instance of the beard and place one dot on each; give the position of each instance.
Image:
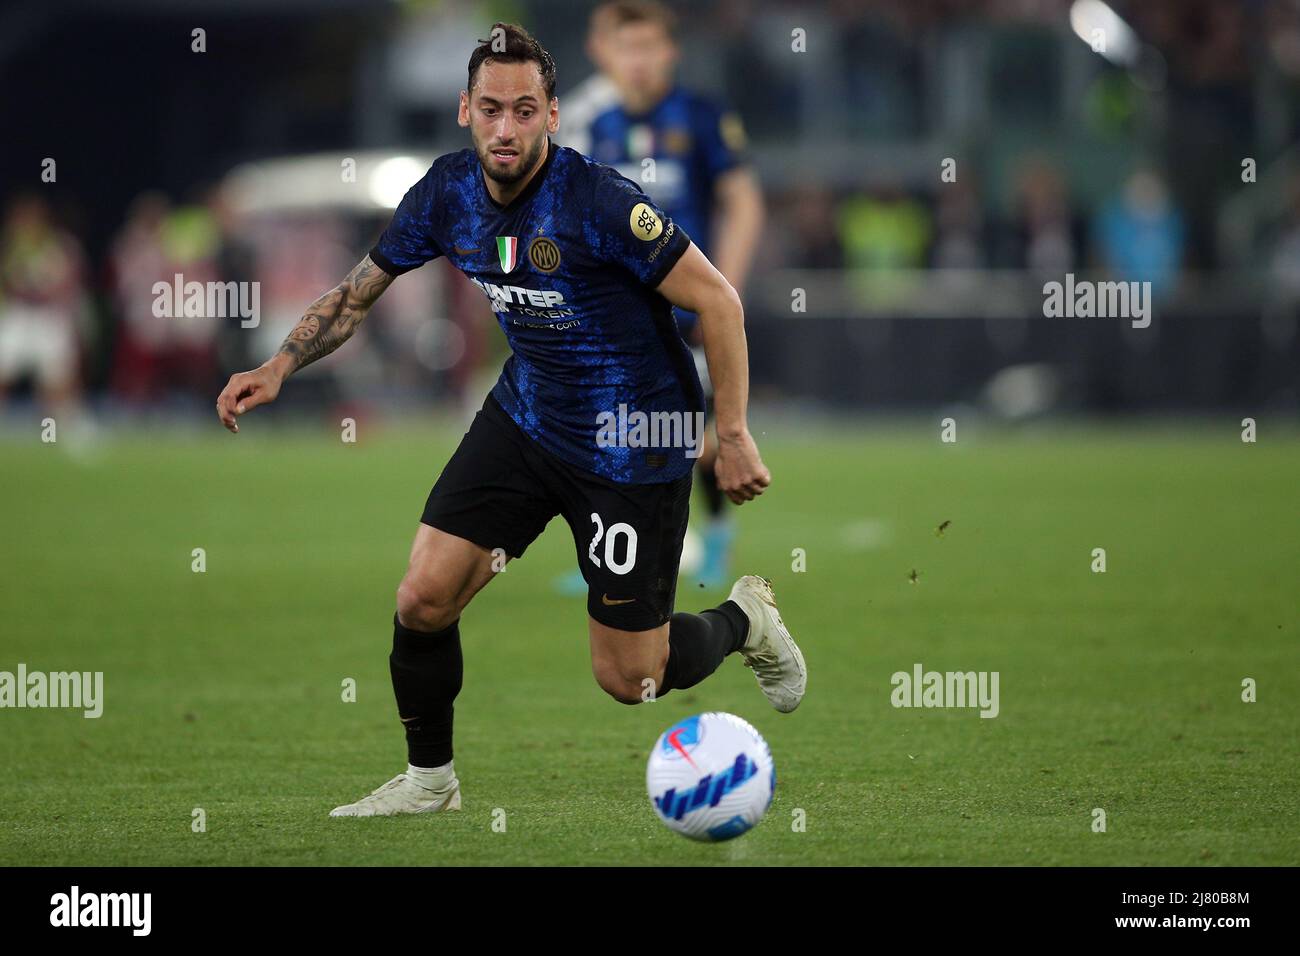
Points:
(519, 170)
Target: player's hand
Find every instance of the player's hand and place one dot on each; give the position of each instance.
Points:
(244, 392)
(742, 476)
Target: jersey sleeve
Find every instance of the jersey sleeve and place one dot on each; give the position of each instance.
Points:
(410, 241)
(631, 231)
(721, 140)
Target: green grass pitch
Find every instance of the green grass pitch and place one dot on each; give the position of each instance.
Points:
(223, 690)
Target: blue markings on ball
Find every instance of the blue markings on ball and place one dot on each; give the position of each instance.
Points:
(708, 791)
(732, 828)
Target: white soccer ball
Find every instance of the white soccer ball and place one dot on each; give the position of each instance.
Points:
(711, 777)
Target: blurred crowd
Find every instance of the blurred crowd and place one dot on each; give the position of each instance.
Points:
(65, 319)
(70, 324)
(1139, 232)
(79, 317)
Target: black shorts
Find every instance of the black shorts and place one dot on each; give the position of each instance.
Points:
(500, 489)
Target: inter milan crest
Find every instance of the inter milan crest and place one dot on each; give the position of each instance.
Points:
(508, 252)
(544, 254)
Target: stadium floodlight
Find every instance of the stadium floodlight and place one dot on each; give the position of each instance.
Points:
(359, 181)
(1105, 31)
(392, 178)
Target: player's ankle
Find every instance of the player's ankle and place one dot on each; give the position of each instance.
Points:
(431, 778)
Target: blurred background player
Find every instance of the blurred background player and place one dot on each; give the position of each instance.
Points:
(42, 301)
(686, 151)
(597, 93)
(162, 359)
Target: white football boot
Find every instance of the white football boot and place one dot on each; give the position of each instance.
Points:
(769, 650)
(403, 795)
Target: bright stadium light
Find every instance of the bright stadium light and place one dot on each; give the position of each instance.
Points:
(1097, 25)
(392, 178)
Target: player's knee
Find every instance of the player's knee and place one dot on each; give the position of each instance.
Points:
(624, 688)
(623, 692)
(426, 606)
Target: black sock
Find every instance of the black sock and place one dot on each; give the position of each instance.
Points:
(427, 670)
(713, 496)
(697, 643)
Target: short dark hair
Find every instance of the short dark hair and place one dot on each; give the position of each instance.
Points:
(511, 43)
(623, 12)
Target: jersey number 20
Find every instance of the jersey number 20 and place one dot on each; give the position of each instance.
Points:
(629, 559)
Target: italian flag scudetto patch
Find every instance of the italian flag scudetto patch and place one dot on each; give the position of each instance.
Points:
(508, 252)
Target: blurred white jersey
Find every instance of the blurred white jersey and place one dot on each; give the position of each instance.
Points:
(40, 340)
(579, 107)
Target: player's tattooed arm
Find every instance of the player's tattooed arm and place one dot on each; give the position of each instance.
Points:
(329, 323)
(331, 319)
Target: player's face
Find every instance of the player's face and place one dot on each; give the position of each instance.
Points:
(641, 58)
(600, 44)
(508, 118)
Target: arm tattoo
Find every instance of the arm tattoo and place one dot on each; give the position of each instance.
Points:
(331, 319)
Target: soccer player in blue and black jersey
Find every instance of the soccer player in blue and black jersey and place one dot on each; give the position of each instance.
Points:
(687, 151)
(594, 417)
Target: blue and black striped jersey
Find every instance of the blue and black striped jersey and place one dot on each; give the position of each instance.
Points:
(570, 267)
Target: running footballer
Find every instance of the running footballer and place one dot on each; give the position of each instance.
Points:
(582, 271)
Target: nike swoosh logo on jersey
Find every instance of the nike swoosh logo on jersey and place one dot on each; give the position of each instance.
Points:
(606, 600)
(464, 252)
